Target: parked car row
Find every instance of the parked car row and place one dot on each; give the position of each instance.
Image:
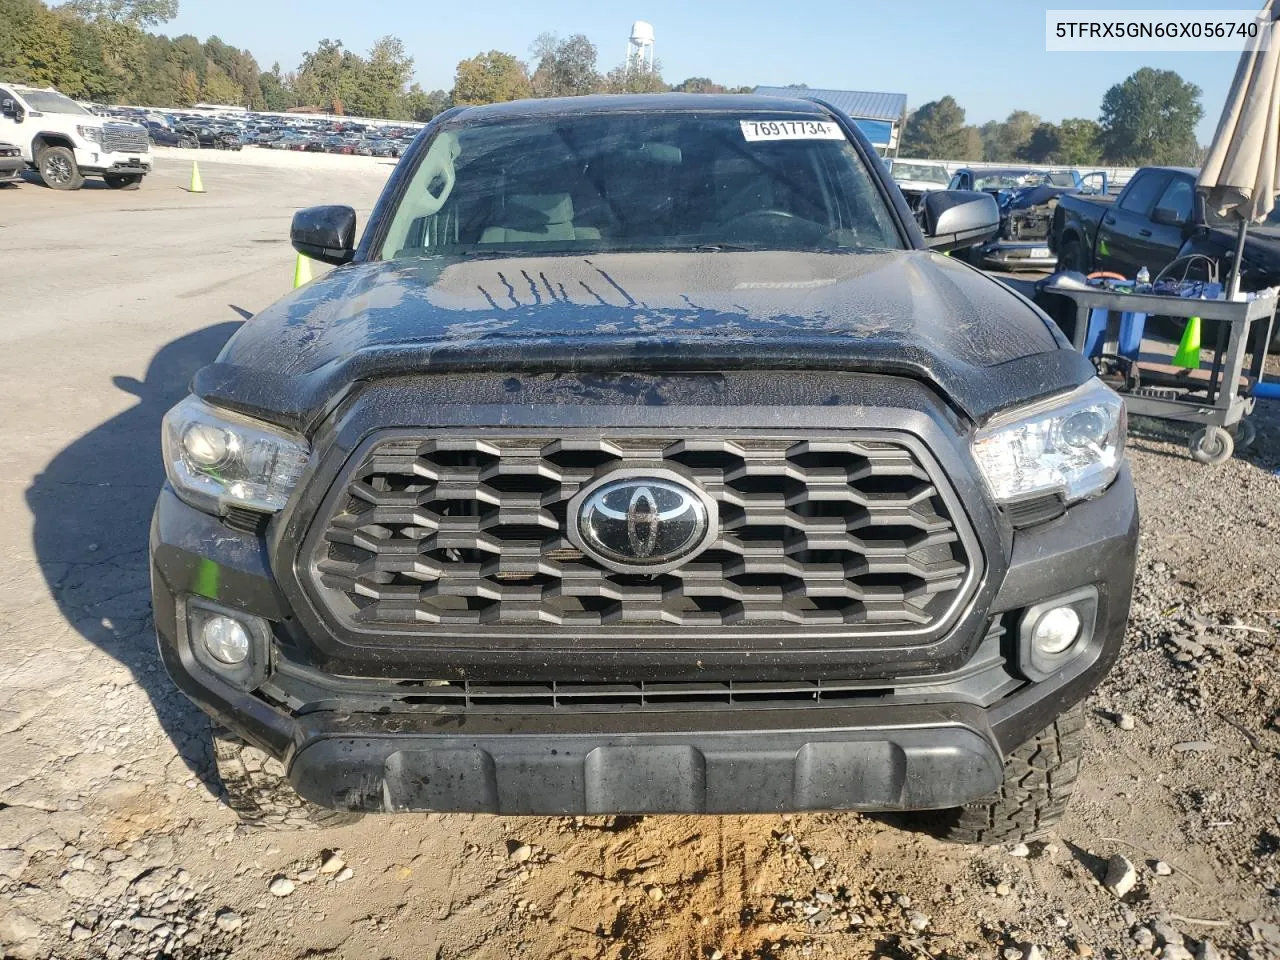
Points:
(173, 128)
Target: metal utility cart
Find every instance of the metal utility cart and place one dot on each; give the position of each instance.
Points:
(1218, 397)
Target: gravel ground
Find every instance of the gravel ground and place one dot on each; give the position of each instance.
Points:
(113, 842)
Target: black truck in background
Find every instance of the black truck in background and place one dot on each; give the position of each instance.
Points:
(1156, 219)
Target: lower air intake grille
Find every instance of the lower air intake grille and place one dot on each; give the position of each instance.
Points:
(848, 535)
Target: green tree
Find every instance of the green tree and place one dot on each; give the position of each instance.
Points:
(1078, 142)
(935, 131)
(698, 85)
(132, 13)
(276, 93)
(329, 73)
(34, 45)
(384, 80)
(1043, 145)
(419, 105)
(220, 88)
(492, 77)
(240, 68)
(1150, 117)
(1003, 140)
(188, 89)
(565, 68)
(631, 77)
(970, 144)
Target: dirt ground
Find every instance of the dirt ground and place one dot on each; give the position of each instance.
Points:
(112, 840)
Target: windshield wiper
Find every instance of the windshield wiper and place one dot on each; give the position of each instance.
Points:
(723, 247)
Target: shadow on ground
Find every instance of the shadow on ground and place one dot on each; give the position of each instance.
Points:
(92, 506)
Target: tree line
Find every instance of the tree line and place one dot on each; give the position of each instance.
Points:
(104, 51)
(1148, 118)
(562, 67)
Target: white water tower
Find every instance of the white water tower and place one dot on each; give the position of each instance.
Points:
(640, 47)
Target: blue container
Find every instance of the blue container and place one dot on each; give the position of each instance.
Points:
(1132, 326)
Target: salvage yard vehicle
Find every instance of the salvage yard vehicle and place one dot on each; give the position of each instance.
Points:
(1027, 201)
(915, 178)
(621, 468)
(180, 137)
(1156, 219)
(11, 163)
(65, 142)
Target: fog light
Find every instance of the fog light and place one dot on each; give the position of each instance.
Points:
(226, 639)
(1056, 631)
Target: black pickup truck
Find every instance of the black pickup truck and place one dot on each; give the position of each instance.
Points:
(1157, 218)
(643, 458)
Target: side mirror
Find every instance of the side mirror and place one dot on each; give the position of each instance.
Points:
(11, 109)
(1168, 217)
(959, 218)
(327, 234)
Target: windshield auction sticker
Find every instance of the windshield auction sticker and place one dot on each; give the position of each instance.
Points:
(791, 130)
(1140, 31)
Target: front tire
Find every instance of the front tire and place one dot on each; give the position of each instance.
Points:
(1071, 256)
(58, 169)
(259, 792)
(123, 181)
(1039, 778)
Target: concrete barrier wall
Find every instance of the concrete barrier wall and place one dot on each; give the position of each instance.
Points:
(1116, 176)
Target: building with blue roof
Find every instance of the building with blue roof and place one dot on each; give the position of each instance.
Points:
(879, 116)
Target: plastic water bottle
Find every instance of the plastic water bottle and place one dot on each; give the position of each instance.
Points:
(1144, 279)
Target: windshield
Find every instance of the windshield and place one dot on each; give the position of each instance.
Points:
(1012, 179)
(928, 172)
(47, 101)
(628, 181)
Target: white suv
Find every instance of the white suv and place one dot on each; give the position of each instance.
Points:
(66, 143)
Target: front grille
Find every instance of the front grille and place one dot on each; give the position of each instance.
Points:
(124, 138)
(851, 533)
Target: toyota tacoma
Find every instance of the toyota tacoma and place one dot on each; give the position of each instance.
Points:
(643, 457)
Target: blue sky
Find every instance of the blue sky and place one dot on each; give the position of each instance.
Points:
(988, 54)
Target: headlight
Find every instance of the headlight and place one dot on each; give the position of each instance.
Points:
(1070, 444)
(215, 459)
(93, 134)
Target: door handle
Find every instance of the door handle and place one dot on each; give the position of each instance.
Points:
(1144, 233)
(1109, 220)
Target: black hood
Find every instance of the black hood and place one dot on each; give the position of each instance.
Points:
(910, 313)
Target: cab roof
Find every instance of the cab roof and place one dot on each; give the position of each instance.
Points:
(645, 103)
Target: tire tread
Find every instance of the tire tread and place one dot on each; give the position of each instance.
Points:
(1039, 778)
(259, 792)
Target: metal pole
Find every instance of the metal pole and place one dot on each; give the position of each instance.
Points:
(1233, 287)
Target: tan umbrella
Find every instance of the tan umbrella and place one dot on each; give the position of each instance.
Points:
(1241, 174)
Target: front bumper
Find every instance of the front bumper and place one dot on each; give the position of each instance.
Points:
(93, 162)
(1017, 255)
(11, 169)
(917, 749)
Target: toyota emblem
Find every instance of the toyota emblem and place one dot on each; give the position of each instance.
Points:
(645, 522)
